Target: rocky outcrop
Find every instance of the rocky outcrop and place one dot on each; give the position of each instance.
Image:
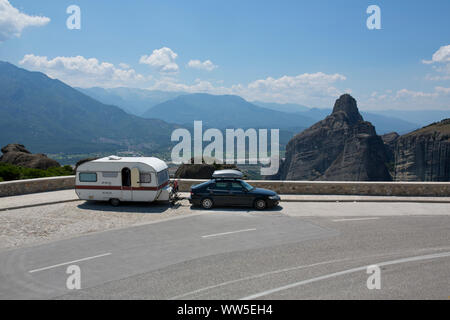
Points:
(200, 171)
(390, 141)
(424, 155)
(194, 171)
(16, 154)
(341, 147)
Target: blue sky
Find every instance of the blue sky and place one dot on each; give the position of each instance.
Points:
(305, 52)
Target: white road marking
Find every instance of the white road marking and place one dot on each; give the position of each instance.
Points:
(261, 275)
(355, 219)
(227, 233)
(336, 274)
(70, 262)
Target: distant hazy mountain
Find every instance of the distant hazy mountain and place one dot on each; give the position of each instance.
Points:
(49, 116)
(132, 100)
(284, 107)
(224, 111)
(139, 101)
(384, 122)
(420, 117)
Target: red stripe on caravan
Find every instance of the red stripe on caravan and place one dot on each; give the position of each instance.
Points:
(98, 188)
(122, 188)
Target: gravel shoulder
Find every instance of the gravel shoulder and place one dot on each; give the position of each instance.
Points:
(40, 224)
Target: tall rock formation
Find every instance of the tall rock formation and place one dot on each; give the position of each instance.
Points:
(342, 147)
(390, 142)
(424, 155)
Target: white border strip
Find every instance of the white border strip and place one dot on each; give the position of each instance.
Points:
(70, 262)
(227, 233)
(355, 219)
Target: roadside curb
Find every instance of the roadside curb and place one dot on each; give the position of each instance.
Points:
(367, 200)
(38, 204)
(286, 200)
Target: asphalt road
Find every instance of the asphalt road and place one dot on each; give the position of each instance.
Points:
(299, 251)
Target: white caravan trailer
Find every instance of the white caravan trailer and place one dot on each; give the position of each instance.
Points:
(117, 179)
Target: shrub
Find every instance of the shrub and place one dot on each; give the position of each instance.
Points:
(9, 172)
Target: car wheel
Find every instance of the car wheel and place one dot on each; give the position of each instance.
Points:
(207, 203)
(260, 204)
(114, 202)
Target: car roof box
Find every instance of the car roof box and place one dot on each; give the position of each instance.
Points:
(227, 174)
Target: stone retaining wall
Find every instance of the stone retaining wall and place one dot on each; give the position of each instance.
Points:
(416, 189)
(14, 188)
(413, 189)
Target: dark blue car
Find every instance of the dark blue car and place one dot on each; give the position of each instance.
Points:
(227, 189)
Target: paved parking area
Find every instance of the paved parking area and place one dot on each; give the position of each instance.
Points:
(37, 222)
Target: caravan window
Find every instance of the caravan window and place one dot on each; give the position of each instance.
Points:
(145, 177)
(163, 176)
(110, 174)
(88, 177)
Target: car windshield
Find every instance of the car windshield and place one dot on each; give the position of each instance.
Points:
(247, 186)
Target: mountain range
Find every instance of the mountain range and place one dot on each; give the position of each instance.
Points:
(183, 108)
(132, 100)
(224, 111)
(49, 116)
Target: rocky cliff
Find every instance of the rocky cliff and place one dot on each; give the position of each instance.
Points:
(341, 147)
(424, 155)
(16, 154)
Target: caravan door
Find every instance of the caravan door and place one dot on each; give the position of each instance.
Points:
(127, 193)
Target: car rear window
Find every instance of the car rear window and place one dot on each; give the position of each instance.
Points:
(221, 185)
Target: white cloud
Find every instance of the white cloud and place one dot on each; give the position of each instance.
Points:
(83, 72)
(12, 21)
(205, 65)
(172, 84)
(161, 59)
(309, 88)
(440, 56)
(439, 98)
(441, 61)
(124, 65)
(314, 89)
(442, 90)
(405, 99)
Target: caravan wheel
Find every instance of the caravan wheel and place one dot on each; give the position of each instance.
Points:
(114, 202)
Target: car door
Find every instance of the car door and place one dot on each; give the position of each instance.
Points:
(220, 192)
(238, 196)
